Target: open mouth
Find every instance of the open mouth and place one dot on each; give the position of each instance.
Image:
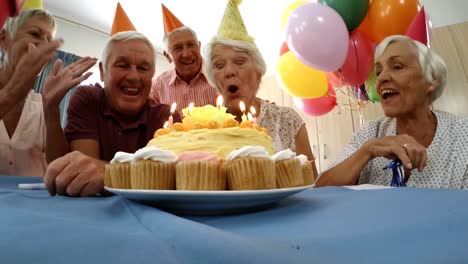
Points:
(190, 62)
(389, 93)
(233, 89)
(130, 91)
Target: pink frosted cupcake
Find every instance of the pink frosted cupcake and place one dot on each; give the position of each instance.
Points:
(198, 170)
(117, 172)
(288, 169)
(250, 168)
(153, 169)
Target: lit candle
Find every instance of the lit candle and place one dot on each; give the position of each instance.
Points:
(254, 114)
(242, 108)
(171, 119)
(190, 108)
(166, 125)
(219, 103)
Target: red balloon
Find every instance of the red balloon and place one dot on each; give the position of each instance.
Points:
(420, 29)
(284, 48)
(359, 61)
(318, 106)
(335, 79)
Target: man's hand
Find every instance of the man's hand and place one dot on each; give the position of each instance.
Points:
(75, 174)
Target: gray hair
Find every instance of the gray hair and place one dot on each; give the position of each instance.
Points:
(125, 36)
(239, 45)
(12, 24)
(181, 29)
(432, 65)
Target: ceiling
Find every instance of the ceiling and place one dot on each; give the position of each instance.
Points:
(262, 17)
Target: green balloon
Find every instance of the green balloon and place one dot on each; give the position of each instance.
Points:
(352, 11)
(370, 87)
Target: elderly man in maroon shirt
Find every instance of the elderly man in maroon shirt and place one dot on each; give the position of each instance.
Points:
(102, 121)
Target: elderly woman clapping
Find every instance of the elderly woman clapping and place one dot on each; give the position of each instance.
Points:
(432, 145)
(234, 66)
(26, 45)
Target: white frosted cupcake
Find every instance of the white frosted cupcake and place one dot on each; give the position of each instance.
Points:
(307, 170)
(119, 170)
(287, 169)
(153, 169)
(250, 168)
(199, 170)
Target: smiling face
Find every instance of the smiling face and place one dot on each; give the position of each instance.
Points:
(236, 75)
(127, 76)
(401, 83)
(184, 49)
(37, 30)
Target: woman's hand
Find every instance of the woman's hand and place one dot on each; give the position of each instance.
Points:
(412, 154)
(60, 81)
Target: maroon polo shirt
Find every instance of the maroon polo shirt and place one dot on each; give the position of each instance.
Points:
(90, 117)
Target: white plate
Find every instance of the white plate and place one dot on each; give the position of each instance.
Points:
(208, 202)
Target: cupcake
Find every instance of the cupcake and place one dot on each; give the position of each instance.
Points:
(287, 169)
(307, 170)
(153, 169)
(198, 170)
(250, 168)
(120, 170)
(107, 175)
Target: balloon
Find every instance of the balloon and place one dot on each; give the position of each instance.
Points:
(299, 80)
(420, 28)
(317, 36)
(287, 12)
(370, 87)
(389, 17)
(359, 61)
(284, 48)
(318, 106)
(352, 11)
(335, 79)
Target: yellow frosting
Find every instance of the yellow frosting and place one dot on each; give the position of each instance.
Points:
(218, 141)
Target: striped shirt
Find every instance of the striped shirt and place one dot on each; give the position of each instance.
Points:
(169, 88)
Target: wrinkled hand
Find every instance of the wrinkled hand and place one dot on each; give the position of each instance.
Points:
(30, 65)
(75, 174)
(412, 154)
(60, 81)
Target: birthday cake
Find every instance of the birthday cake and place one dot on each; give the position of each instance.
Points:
(211, 129)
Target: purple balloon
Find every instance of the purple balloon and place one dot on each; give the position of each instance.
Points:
(317, 36)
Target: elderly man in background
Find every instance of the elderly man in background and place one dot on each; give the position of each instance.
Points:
(103, 121)
(432, 145)
(186, 83)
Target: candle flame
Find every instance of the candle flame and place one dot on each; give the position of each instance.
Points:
(173, 107)
(253, 111)
(242, 106)
(190, 107)
(219, 101)
(166, 124)
(249, 117)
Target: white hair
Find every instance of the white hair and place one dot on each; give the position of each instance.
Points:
(181, 29)
(12, 24)
(125, 36)
(238, 45)
(432, 65)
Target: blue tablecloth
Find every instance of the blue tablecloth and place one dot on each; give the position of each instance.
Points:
(326, 225)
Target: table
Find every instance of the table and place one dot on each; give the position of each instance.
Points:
(325, 225)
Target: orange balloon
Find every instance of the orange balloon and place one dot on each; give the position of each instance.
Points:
(389, 17)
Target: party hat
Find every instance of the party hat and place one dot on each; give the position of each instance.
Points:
(171, 22)
(418, 29)
(121, 21)
(232, 25)
(33, 4)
